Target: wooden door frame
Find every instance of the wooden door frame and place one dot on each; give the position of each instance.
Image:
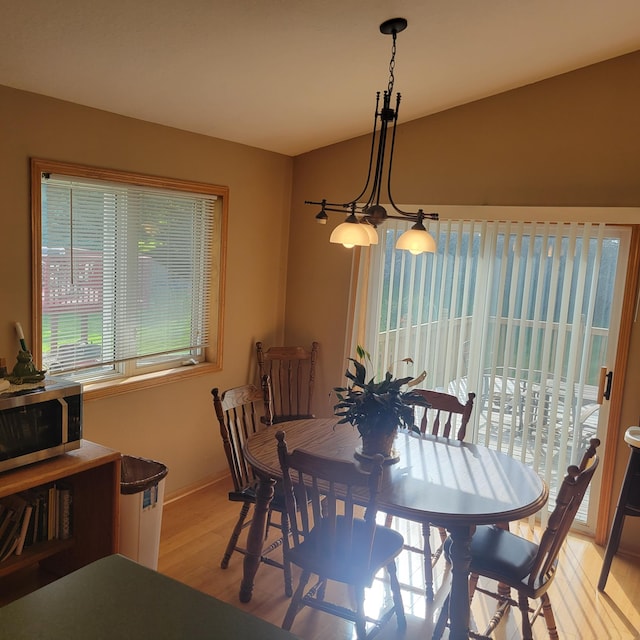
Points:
(612, 437)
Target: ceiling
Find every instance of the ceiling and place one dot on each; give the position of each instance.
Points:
(294, 75)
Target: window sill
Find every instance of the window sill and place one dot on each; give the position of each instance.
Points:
(97, 390)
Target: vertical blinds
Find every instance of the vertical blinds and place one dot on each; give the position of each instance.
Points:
(517, 313)
(126, 271)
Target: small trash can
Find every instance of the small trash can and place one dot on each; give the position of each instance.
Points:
(141, 497)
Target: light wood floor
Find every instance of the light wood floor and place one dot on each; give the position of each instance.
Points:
(195, 530)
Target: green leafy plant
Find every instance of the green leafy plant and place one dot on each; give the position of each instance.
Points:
(372, 406)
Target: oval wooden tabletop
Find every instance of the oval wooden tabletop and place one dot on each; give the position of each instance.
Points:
(443, 481)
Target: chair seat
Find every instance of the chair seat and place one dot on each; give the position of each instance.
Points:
(499, 552)
(248, 494)
(351, 564)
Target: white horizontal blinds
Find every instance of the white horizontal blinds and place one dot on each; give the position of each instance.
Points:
(126, 272)
(163, 276)
(517, 313)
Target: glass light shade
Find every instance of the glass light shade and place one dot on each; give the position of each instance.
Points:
(322, 218)
(416, 241)
(371, 232)
(350, 234)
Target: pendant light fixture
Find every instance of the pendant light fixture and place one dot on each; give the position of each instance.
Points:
(363, 217)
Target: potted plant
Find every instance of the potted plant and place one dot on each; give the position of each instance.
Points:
(376, 409)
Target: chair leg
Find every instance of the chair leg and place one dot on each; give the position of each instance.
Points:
(388, 520)
(549, 618)
(428, 562)
(443, 538)
(286, 565)
(269, 524)
(498, 615)
(233, 540)
(397, 595)
(322, 588)
(443, 534)
(612, 545)
(473, 583)
(443, 618)
(296, 601)
(523, 604)
(360, 619)
(504, 591)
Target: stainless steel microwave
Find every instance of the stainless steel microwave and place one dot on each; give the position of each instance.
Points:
(36, 424)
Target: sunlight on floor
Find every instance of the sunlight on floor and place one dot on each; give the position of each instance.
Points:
(615, 616)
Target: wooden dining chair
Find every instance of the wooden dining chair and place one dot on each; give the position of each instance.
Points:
(292, 373)
(241, 412)
(444, 415)
(329, 540)
(520, 564)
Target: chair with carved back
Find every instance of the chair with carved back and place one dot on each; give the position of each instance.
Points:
(444, 415)
(292, 374)
(331, 540)
(241, 412)
(523, 565)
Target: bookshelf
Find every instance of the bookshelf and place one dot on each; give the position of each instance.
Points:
(93, 472)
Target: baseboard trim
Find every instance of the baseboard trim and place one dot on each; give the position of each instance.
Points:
(189, 489)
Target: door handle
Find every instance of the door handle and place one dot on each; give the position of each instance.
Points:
(604, 385)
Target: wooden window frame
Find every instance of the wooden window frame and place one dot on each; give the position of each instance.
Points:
(213, 352)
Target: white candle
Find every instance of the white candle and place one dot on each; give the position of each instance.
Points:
(23, 344)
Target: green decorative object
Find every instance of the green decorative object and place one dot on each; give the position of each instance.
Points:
(24, 370)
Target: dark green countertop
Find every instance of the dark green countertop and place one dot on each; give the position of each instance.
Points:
(116, 598)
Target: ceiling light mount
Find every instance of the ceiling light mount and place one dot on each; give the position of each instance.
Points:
(370, 213)
(393, 26)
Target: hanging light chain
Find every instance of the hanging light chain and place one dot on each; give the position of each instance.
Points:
(392, 64)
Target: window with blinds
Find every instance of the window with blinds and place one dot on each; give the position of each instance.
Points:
(130, 272)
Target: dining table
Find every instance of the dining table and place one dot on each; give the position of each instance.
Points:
(448, 483)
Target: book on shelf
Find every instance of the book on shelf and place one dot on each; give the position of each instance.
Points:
(52, 516)
(38, 529)
(10, 549)
(64, 523)
(5, 519)
(6, 524)
(39, 514)
(43, 513)
(16, 506)
(24, 527)
(32, 497)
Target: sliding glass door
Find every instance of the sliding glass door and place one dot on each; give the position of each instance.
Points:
(521, 314)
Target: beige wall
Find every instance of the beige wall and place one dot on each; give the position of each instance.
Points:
(571, 140)
(172, 423)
